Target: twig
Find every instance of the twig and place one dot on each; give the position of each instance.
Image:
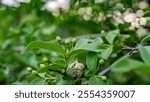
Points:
(133, 51)
(92, 36)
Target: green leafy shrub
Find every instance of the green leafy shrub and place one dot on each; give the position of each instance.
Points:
(88, 61)
(108, 39)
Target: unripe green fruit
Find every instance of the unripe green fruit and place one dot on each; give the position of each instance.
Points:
(102, 32)
(42, 65)
(34, 72)
(101, 61)
(74, 40)
(67, 41)
(29, 69)
(104, 78)
(45, 59)
(58, 38)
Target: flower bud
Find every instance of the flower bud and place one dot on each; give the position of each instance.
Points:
(34, 72)
(103, 78)
(139, 13)
(45, 59)
(143, 5)
(29, 69)
(129, 17)
(58, 38)
(74, 40)
(142, 21)
(42, 65)
(67, 41)
(102, 32)
(101, 61)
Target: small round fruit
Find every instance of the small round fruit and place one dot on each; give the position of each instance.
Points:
(74, 40)
(45, 59)
(29, 69)
(34, 72)
(67, 41)
(102, 32)
(101, 61)
(104, 78)
(58, 38)
(42, 65)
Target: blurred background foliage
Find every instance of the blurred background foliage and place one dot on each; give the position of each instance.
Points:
(23, 21)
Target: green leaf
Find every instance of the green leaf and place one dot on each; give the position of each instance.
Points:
(111, 36)
(147, 38)
(91, 61)
(107, 52)
(42, 75)
(2, 75)
(81, 43)
(144, 69)
(145, 53)
(59, 61)
(56, 67)
(66, 80)
(31, 77)
(48, 46)
(38, 81)
(83, 46)
(94, 80)
(125, 65)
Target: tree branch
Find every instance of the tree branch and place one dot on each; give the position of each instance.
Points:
(133, 51)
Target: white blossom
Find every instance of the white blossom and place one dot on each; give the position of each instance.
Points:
(56, 5)
(141, 31)
(139, 13)
(142, 21)
(99, 1)
(52, 6)
(81, 11)
(23, 1)
(100, 17)
(135, 23)
(85, 10)
(117, 16)
(119, 6)
(129, 17)
(86, 17)
(88, 11)
(143, 5)
(10, 3)
(64, 4)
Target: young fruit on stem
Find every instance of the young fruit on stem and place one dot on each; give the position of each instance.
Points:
(42, 65)
(101, 61)
(29, 69)
(58, 38)
(67, 41)
(74, 40)
(34, 72)
(103, 78)
(45, 59)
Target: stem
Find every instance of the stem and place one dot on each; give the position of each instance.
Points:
(133, 51)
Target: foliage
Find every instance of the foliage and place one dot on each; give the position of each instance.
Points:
(97, 42)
